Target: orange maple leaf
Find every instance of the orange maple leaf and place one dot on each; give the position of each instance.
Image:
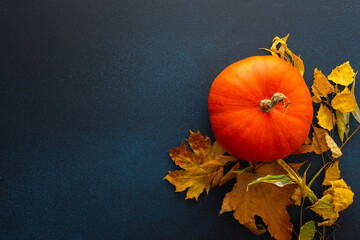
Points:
(203, 168)
(264, 200)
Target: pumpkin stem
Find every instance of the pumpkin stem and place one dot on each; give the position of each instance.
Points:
(267, 105)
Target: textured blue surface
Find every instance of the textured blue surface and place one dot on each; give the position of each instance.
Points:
(94, 93)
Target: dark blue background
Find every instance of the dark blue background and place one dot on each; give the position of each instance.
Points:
(94, 93)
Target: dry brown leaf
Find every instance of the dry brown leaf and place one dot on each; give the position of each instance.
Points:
(319, 141)
(325, 117)
(202, 168)
(321, 86)
(335, 150)
(279, 49)
(263, 199)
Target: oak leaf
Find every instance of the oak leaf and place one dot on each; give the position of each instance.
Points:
(343, 74)
(264, 200)
(325, 117)
(202, 168)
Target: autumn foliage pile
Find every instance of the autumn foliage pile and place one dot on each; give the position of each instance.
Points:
(265, 189)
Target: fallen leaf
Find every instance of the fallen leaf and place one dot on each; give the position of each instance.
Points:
(343, 197)
(321, 86)
(325, 117)
(285, 53)
(318, 140)
(316, 99)
(342, 122)
(337, 198)
(202, 167)
(332, 173)
(264, 200)
(307, 231)
(344, 103)
(335, 150)
(305, 148)
(343, 74)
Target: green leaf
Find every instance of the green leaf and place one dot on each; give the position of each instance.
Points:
(278, 180)
(307, 231)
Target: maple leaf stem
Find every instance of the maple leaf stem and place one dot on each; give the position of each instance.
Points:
(350, 136)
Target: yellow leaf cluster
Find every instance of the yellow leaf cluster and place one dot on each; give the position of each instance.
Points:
(280, 49)
(337, 198)
(203, 167)
(342, 103)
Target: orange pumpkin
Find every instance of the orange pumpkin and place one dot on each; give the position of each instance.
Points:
(260, 109)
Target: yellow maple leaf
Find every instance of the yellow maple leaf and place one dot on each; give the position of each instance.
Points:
(344, 102)
(337, 198)
(332, 173)
(264, 200)
(325, 117)
(280, 49)
(335, 150)
(318, 140)
(343, 74)
(321, 86)
(202, 168)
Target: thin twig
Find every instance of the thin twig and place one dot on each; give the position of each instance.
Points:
(350, 136)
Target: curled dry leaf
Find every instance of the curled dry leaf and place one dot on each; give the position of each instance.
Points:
(280, 49)
(343, 74)
(202, 168)
(267, 201)
(326, 118)
(335, 150)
